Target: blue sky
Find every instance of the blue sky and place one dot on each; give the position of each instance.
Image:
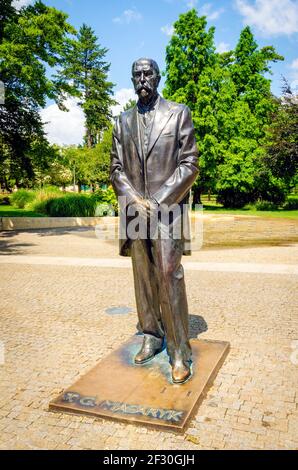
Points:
(134, 28)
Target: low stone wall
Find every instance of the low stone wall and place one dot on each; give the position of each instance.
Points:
(26, 223)
(223, 230)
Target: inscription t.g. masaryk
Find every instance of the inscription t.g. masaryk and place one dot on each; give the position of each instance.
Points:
(153, 166)
(123, 408)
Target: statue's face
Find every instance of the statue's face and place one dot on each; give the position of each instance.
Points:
(145, 79)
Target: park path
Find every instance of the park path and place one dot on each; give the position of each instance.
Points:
(56, 289)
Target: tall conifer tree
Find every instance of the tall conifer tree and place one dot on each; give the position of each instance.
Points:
(87, 70)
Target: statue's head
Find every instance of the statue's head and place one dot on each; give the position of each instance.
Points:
(145, 78)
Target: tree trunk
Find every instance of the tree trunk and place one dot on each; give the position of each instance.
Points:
(89, 139)
(196, 196)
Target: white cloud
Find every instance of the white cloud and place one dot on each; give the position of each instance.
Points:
(64, 128)
(222, 47)
(191, 3)
(270, 17)
(127, 17)
(18, 4)
(294, 64)
(122, 97)
(167, 29)
(68, 128)
(206, 10)
(215, 14)
(293, 75)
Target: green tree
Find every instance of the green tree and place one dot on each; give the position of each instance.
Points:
(130, 104)
(231, 105)
(88, 166)
(102, 157)
(242, 177)
(282, 149)
(190, 64)
(85, 67)
(30, 40)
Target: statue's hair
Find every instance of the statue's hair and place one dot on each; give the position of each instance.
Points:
(153, 64)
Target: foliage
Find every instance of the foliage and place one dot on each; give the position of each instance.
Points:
(38, 204)
(34, 200)
(241, 173)
(31, 40)
(89, 166)
(291, 203)
(130, 104)
(108, 203)
(53, 202)
(102, 156)
(22, 197)
(85, 67)
(230, 102)
(71, 205)
(266, 206)
(282, 149)
(4, 200)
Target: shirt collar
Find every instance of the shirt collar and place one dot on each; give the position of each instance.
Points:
(144, 108)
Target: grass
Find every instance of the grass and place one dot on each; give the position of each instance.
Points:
(11, 211)
(280, 213)
(212, 207)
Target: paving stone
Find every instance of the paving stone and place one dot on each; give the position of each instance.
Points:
(55, 327)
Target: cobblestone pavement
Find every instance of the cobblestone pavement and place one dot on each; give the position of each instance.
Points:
(54, 328)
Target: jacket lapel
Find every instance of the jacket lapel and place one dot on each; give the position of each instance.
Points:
(132, 125)
(162, 116)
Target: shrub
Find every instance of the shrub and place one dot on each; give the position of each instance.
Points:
(48, 189)
(41, 197)
(291, 204)
(273, 192)
(106, 202)
(266, 206)
(103, 208)
(71, 205)
(233, 198)
(4, 200)
(22, 197)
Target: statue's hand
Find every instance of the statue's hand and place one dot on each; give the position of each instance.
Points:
(140, 206)
(145, 207)
(152, 207)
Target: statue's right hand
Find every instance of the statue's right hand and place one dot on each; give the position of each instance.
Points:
(141, 206)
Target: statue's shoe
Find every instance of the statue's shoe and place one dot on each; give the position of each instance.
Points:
(181, 372)
(150, 347)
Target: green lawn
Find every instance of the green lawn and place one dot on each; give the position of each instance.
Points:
(209, 208)
(280, 213)
(212, 207)
(11, 211)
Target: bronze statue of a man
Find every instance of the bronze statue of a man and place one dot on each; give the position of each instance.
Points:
(153, 165)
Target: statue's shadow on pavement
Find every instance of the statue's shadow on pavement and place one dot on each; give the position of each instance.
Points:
(197, 325)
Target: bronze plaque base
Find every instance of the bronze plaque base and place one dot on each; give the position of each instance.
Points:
(118, 389)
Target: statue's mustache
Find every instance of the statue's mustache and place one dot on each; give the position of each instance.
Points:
(143, 87)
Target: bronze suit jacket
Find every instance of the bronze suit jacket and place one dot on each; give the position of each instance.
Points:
(170, 165)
